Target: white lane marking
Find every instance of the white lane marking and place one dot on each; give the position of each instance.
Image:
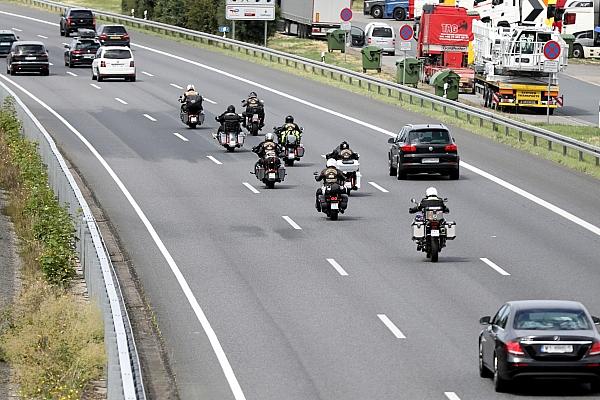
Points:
(494, 267)
(50, 64)
(147, 73)
(120, 100)
(65, 44)
(391, 326)
(337, 267)
(323, 155)
(71, 73)
(209, 100)
(17, 29)
(451, 396)
(211, 158)
(94, 85)
(291, 222)
(42, 36)
(150, 117)
(252, 188)
(185, 288)
(29, 18)
(176, 86)
(376, 186)
(180, 136)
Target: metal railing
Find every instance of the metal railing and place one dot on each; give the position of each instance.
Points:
(124, 379)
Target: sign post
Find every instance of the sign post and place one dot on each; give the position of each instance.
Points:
(250, 10)
(551, 52)
(346, 17)
(406, 35)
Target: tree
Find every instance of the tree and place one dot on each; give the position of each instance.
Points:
(202, 15)
(172, 12)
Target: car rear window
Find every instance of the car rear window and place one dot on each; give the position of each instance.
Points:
(81, 14)
(117, 54)
(30, 49)
(549, 319)
(115, 29)
(7, 38)
(430, 136)
(382, 32)
(87, 45)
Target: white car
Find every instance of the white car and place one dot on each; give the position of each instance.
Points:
(113, 62)
(382, 35)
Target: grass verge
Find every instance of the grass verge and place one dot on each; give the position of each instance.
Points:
(52, 339)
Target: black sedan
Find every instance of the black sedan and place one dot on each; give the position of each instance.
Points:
(551, 339)
(81, 51)
(113, 35)
(426, 148)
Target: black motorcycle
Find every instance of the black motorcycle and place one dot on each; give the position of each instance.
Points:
(333, 201)
(253, 120)
(269, 170)
(191, 112)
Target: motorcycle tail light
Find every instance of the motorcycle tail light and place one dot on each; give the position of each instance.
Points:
(434, 225)
(514, 348)
(333, 198)
(595, 349)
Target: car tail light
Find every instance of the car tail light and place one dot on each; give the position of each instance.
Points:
(103, 36)
(126, 36)
(515, 348)
(570, 18)
(451, 147)
(409, 148)
(131, 63)
(76, 51)
(69, 21)
(103, 63)
(369, 40)
(595, 349)
(94, 21)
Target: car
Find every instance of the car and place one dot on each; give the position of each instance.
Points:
(81, 51)
(113, 62)
(113, 35)
(7, 37)
(27, 56)
(75, 18)
(423, 148)
(357, 36)
(382, 35)
(550, 339)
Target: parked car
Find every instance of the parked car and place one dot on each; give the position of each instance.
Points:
(113, 35)
(81, 51)
(540, 339)
(75, 18)
(382, 35)
(7, 38)
(423, 148)
(113, 62)
(27, 56)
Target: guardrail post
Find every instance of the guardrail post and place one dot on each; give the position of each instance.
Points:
(564, 150)
(480, 122)
(597, 161)
(369, 86)
(494, 127)
(535, 140)
(549, 145)
(506, 131)
(422, 103)
(521, 136)
(580, 155)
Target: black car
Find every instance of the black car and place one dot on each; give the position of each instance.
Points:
(76, 18)
(6, 40)
(115, 35)
(423, 148)
(81, 51)
(551, 339)
(27, 56)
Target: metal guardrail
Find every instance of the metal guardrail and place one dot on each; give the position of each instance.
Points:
(124, 379)
(414, 96)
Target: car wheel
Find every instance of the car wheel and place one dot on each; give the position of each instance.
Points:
(377, 12)
(132, 79)
(66, 62)
(595, 386)
(455, 174)
(93, 75)
(400, 174)
(399, 14)
(392, 169)
(99, 78)
(45, 72)
(62, 33)
(500, 385)
(7, 69)
(483, 371)
(578, 51)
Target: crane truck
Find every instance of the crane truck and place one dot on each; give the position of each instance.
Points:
(311, 18)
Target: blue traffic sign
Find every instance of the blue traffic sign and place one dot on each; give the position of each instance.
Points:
(346, 14)
(406, 32)
(223, 29)
(551, 50)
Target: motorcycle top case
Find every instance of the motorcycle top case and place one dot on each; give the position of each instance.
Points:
(418, 230)
(348, 165)
(450, 230)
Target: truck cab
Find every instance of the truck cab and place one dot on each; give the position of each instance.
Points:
(397, 9)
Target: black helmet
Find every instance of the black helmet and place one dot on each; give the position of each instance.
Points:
(344, 145)
(252, 94)
(231, 108)
(289, 119)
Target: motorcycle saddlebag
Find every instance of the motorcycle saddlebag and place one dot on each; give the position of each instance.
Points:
(281, 173)
(418, 230)
(260, 173)
(450, 230)
(344, 202)
(300, 151)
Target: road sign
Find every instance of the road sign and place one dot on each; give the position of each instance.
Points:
(223, 29)
(552, 50)
(346, 14)
(346, 26)
(405, 46)
(551, 66)
(406, 32)
(537, 7)
(250, 2)
(251, 12)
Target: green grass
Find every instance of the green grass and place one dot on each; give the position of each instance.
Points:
(357, 5)
(105, 5)
(588, 134)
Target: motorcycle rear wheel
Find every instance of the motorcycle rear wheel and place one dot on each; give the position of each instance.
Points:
(435, 249)
(230, 149)
(333, 214)
(289, 163)
(270, 184)
(192, 126)
(254, 129)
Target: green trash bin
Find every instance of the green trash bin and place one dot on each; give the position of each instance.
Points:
(413, 71)
(446, 83)
(371, 58)
(569, 39)
(336, 40)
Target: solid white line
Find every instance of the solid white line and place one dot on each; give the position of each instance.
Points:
(291, 222)
(175, 86)
(181, 137)
(71, 73)
(209, 100)
(376, 186)
(495, 267)
(17, 29)
(42, 36)
(94, 85)
(391, 326)
(211, 158)
(200, 315)
(120, 100)
(147, 73)
(337, 267)
(252, 188)
(451, 396)
(150, 117)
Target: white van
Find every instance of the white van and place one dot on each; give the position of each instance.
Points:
(382, 35)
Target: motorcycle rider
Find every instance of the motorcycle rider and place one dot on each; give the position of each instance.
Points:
(229, 120)
(431, 199)
(254, 102)
(332, 176)
(342, 151)
(190, 90)
(268, 148)
(289, 127)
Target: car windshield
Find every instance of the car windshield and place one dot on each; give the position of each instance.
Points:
(81, 14)
(30, 49)
(429, 136)
(7, 38)
(117, 54)
(549, 319)
(87, 45)
(119, 30)
(382, 32)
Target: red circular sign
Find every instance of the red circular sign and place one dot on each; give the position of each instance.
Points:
(552, 50)
(406, 32)
(346, 14)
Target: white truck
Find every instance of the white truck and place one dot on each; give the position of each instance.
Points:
(507, 12)
(582, 19)
(311, 18)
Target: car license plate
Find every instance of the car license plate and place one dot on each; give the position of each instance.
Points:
(271, 175)
(435, 233)
(430, 160)
(115, 37)
(557, 348)
(334, 206)
(5, 43)
(30, 58)
(88, 56)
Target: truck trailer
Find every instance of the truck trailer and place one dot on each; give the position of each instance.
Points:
(311, 18)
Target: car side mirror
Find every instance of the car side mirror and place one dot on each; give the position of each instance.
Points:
(413, 200)
(596, 320)
(391, 140)
(485, 320)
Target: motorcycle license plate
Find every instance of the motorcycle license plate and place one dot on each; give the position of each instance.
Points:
(430, 161)
(291, 155)
(435, 233)
(271, 175)
(334, 206)
(193, 119)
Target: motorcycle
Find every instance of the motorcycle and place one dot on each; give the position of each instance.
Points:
(350, 168)
(230, 140)
(332, 201)
(431, 231)
(269, 171)
(252, 120)
(191, 113)
(293, 150)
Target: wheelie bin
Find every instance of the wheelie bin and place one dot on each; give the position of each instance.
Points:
(371, 58)
(446, 83)
(413, 70)
(336, 40)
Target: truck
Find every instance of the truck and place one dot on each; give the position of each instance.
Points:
(511, 68)
(399, 10)
(311, 18)
(443, 40)
(509, 12)
(582, 19)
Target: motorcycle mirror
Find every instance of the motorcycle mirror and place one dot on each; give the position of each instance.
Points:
(413, 200)
(252, 173)
(485, 320)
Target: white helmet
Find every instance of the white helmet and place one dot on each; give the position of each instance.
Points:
(331, 163)
(190, 87)
(269, 136)
(431, 192)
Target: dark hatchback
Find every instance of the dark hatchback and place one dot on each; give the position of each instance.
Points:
(551, 339)
(113, 35)
(27, 56)
(81, 51)
(7, 38)
(76, 18)
(423, 148)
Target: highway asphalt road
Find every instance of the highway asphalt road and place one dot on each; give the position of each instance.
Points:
(581, 95)
(377, 322)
